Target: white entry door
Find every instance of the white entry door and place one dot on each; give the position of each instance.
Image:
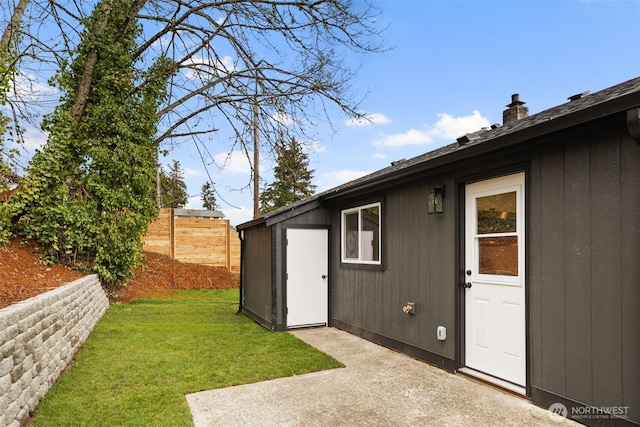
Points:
(307, 277)
(494, 288)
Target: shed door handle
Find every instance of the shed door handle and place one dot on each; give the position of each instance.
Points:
(467, 285)
(324, 276)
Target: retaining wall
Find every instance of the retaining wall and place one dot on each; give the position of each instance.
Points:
(38, 339)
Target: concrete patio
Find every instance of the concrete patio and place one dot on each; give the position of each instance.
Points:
(377, 387)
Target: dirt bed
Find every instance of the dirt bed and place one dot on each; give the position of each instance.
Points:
(22, 276)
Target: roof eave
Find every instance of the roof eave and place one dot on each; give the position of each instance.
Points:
(488, 145)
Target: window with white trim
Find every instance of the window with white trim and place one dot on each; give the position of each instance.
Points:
(361, 231)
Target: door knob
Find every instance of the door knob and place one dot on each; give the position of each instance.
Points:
(467, 285)
(324, 276)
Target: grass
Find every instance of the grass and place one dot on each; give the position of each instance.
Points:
(142, 358)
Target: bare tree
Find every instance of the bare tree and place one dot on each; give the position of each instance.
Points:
(290, 55)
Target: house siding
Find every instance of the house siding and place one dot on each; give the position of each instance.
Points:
(257, 280)
(583, 253)
(582, 205)
(416, 269)
(584, 240)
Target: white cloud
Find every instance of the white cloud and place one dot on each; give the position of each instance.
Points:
(191, 172)
(315, 147)
(28, 88)
(234, 162)
(34, 138)
(333, 179)
(378, 156)
(282, 119)
(238, 215)
(450, 127)
(369, 119)
(447, 128)
(410, 137)
(194, 202)
(202, 67)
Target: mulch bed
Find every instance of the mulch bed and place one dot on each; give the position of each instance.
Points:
(23, 275)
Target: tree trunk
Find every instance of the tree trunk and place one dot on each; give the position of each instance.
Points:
(84, 85)
(13, 25)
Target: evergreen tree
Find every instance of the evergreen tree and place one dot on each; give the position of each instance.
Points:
(173, 190)
(209, 196)
(292, 178)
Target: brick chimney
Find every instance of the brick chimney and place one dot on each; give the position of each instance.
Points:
(515, 111)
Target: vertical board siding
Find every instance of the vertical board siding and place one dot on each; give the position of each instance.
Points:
(606, 269)
(534, 237)
(446, 264)
(630, 244)
(584, 268)
(279, 277)
(577, 261)
(552, 295)
(257, 274)
(419, 267)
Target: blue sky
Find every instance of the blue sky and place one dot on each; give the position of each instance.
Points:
(451, 70)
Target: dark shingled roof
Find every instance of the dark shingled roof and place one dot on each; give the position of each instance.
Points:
(581, 109)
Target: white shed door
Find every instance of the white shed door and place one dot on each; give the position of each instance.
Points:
(495, 330)
(307, 277)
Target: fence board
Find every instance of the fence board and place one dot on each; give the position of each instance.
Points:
(209, 241)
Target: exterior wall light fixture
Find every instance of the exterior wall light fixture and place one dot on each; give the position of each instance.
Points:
(434, 200)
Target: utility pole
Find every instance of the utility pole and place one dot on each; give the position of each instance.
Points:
(158, 194)
(256, 159)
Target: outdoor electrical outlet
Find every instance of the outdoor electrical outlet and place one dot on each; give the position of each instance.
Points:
(442, 333)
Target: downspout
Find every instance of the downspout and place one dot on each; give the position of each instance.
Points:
(241, 237)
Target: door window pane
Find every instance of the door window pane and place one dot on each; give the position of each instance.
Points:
(496, 213)
(498, 255)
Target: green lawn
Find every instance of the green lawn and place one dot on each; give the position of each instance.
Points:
(142, 358)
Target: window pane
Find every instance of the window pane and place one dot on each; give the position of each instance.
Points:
(351, 236)
(370, 237)
(497, 213)
(499, 255)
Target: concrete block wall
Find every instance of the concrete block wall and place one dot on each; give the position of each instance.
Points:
(38, 339)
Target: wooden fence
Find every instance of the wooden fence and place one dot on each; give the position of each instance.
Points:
(196, 236)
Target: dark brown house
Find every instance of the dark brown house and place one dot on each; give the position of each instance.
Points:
(512, 255)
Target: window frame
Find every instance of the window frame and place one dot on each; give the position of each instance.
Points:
(353, 262)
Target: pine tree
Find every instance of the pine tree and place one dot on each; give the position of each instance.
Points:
(209, 196)
(173, 190)
(292, 178)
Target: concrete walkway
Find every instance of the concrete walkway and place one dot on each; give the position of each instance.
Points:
(378, 387)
